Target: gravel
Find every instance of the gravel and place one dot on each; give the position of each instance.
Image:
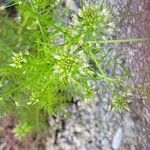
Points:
(91, 126)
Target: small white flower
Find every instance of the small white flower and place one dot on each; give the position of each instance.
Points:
(104, 11)
(104, 38)
(17, 104)
(92, 19)
(20, 2)
(110, 31)
(28, 28)
(18, 19)
(56, 56)
(112, 24)
(71, 63)
(18, 60)
(2, 7)
(33, 99)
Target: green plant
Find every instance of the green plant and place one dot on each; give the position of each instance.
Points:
(22, 130)
(53, 61)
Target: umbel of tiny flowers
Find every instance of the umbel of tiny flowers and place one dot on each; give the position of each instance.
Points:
(21, 130)
(71, 64)
(94, 19)
(119, 103)
(18, 60)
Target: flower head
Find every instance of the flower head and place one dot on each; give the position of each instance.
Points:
(18, 60)
(119, 103)
(89, 16)
(21, 130)
(93, 19)
(70, 63)
(20, 2)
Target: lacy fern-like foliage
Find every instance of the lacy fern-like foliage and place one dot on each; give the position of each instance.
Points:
(46, 61)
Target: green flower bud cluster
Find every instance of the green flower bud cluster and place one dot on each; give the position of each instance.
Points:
(90, 15)
(95, 20)
(21, 130)
(71, 64)
(119, 103)
(18, 60)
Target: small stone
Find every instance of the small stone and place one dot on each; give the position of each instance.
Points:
(77, 141)
(117, 139)
(71, 5)
(78, 128)
(105, 141)
(140, 8)
(65, 146)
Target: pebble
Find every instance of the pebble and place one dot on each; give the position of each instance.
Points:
(71, 5)
(117, 139)
(105, 142)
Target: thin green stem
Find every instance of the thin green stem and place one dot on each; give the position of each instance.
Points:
(125, 40)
